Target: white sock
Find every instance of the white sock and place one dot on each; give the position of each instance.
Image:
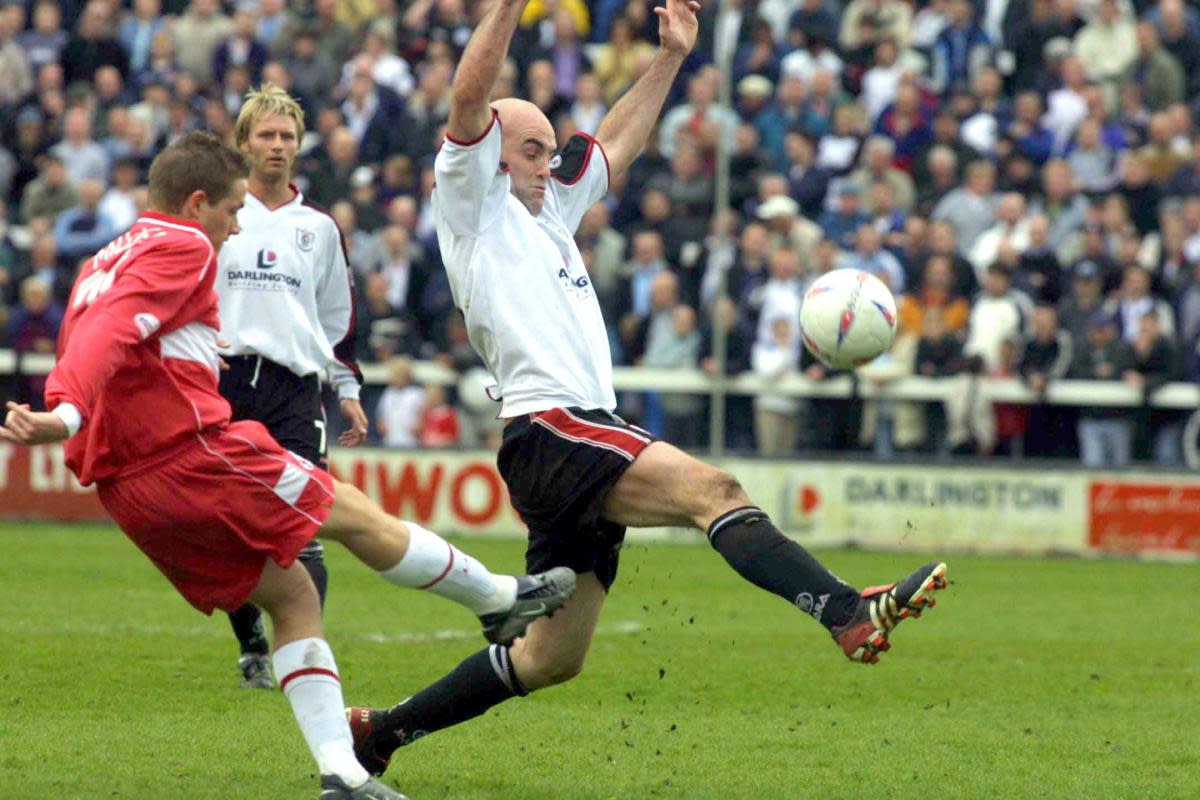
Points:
(434, 564)
(308, 676)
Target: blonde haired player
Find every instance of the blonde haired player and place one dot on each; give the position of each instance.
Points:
(287, 316)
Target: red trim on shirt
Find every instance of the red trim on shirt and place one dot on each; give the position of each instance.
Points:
(480, 137)
(593, 144)
(292, 199)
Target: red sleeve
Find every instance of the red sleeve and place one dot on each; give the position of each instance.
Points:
(144, 296)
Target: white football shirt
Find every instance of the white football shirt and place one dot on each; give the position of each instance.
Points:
(286, 293)
(530, 307)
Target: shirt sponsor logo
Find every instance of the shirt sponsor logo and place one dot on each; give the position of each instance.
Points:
(147, 324)
(264, 277)
(305, 240)
(580, 286)
(261, 279)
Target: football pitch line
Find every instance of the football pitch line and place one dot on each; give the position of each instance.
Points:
(221, 631)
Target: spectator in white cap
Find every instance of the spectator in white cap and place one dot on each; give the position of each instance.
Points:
(786, 225)
(754, 93)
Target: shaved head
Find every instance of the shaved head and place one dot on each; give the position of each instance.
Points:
(527, 145)
(518, 114)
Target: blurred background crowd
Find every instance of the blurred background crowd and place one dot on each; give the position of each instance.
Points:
(1023, 174)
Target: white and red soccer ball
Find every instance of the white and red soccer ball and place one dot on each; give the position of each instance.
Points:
(848, 318)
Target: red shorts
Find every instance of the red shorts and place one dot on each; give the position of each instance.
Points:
(210, 516)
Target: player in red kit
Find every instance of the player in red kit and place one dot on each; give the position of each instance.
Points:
(219, 507)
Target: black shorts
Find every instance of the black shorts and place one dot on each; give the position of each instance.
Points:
(287, 404)
(559, 466)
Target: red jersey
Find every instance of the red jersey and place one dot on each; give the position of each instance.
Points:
(137, 353)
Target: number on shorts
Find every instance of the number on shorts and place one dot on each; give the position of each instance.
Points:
(320, 423)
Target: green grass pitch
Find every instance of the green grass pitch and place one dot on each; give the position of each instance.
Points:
(1031, 678)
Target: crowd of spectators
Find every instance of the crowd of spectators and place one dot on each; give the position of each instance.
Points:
(1023, 174)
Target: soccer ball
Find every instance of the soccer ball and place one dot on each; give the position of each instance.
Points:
(848, 318)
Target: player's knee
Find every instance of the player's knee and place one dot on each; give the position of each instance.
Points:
(720, 490)
(288, 596)
(549, 669)
(561, 671)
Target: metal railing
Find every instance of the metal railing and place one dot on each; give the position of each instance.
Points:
(694, 381)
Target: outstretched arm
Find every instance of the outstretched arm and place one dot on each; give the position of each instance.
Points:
(626, 127)
(24, 426)
(470, 114)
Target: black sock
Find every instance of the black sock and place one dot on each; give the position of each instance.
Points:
(756, 549)
(312, 558)
(481, 681)
(247, 622)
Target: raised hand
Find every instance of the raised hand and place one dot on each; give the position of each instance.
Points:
(678, 26)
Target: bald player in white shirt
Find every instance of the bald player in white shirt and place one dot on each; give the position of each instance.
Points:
(507, 203)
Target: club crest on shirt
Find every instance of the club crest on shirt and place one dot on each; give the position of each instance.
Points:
(305, 239)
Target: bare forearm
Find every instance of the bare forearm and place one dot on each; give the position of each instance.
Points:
(625, 128)
(480, 66)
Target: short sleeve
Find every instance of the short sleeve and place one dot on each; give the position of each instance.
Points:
(580, 172)
(470, 186)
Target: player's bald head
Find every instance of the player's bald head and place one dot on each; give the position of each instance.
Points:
(527, 146)
(523, 120)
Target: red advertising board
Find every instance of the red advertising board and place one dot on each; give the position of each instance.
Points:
(461, 492)
(1124, 516)
(35, 483)
(458, 492)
